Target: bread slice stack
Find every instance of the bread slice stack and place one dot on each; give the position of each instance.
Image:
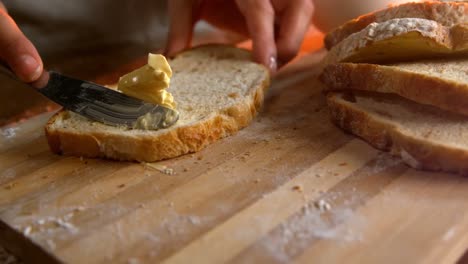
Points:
(218, 90)
(398, 78)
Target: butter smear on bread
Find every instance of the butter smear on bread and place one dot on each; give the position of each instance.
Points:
(149, 83)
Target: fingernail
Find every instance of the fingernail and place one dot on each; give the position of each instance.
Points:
(272, 64)
(31, 69)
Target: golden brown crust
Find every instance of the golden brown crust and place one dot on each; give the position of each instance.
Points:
(173, 143)
(446, 13)
(416, 152)
(443, 93)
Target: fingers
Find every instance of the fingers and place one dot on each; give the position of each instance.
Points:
(17, 51)
(181, 20)
(294, 24)
(259, 16)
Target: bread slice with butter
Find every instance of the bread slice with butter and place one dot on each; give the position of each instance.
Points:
(423, 136)
(446, 14)
(401, 39)
(441, 83)
(218, 90)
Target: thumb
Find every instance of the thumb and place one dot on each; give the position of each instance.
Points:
(17, 51)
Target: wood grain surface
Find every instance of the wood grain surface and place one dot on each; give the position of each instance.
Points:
(289, 188)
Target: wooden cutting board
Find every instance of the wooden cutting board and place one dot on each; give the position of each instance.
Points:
(289, 188)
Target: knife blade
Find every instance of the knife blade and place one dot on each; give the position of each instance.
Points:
(102, 104)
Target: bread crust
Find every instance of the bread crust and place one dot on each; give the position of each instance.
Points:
(149, 148)
(401, 39)
(442, 93)
(446, 13)
(416, 152)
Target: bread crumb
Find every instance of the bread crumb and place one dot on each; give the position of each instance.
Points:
(121, 185)
(50, 243)
(322, 205)
(343, 164)
(161, 168)
(199, 157)
(27, 230)
(133, 261)
(185, 170)
(298, 188)
(233, 95)
(257, 180)
(318, 175)
(11, 185)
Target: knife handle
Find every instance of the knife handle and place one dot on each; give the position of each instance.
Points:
(38, 84)
(5, 70)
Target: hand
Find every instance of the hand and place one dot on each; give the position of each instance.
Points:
(17, 51)
(276, 27)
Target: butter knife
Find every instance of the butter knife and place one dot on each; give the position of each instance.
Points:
(99, 103)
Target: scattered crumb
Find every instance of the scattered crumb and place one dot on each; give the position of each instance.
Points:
(79, 208)
(343, 164)
(199, 157)
(121, 185)
(257, 180)
(336, 174)
(185, 169)
(50, 243)
(27, 230)
(298, 188)
(233, 95)
(133, 261)
(322, 205)
(11, 185)
(318, 175)
(161, 168)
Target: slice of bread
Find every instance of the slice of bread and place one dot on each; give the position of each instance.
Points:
(401, 39)
(447, 14)
(425, 137)
(441, 83)
(218, 90)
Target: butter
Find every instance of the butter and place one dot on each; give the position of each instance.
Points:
(149, 83)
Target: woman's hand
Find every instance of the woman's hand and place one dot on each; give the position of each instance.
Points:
(276, 27)
(17, 51)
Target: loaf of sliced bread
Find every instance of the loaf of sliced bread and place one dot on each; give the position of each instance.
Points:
(401, 39)
(447, 14)
(423, 136)
(218, 90)
(441, 83)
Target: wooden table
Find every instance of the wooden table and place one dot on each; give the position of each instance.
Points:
(289, 188)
